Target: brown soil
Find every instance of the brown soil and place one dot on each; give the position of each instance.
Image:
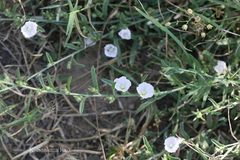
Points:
(61, 130)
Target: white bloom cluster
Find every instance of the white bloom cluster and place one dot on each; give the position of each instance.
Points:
(145, 90)
(29, 29)
(111, 50)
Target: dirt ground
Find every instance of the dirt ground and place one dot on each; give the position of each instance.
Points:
(62, 132)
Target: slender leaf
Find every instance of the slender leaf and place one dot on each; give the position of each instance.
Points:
(94, 78)
(82, 105)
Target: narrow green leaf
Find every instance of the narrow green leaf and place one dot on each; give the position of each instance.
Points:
(147, 145)
(119, 55)
(133, 52)
(18, 74)
(164, 29)
(70, 5)
(158, 96)
(28, 118)
(40, 79)
(70, 25)
(5, 109)
(122, 72)
(49, 58)
(231, 4)
(94, 78)
(82, 105)
(105, 8)
(50, 81)
(107, 81)
(149, 102)
(212, 22)
(71, 19)
(27, 103)
(53, 6)
(69, 81)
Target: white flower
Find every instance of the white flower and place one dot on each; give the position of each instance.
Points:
(184, 27)
(149, 23)
(89, 42)
(221, 67)
(168, 24)
(171, 144)
(203, 34)
(110, 50)
(209, 26)
(122, 84)
(29, 29)
(223, 42)
(145, 90)
(190, 11)
(125, 34)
